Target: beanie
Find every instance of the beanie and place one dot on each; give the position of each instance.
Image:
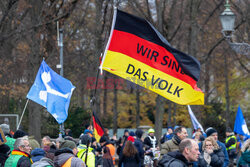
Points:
(126, 130)
(130, 138)
(5, 128)
(131, 133)
(5, 149)
(210, 131)
(68, 144)
(19, 133)
(229, 130)
(139, 133)
(151, 130)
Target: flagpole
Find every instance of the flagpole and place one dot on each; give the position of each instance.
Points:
(60, 45)
(22, 114)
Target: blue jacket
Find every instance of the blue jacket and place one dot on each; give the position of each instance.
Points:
(223, 149)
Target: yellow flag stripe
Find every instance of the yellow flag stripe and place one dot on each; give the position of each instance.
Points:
(150, 78)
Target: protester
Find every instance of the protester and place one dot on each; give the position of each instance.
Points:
(139, 145)
(44, 162)
(211, 154)
(105, 142)
(168, 136)
(85, 152)
(20, 156)
(19, 133)
(65, 157)
(244, 160)
(33, 143)
(4, 153)
(37, 154)
(121, 141)
(49, 147)
(231, 143)
(188, 153)
(107, 158)
(6, 130)
(180, 133)
(150, 141)
(129, 156)
(197, 136)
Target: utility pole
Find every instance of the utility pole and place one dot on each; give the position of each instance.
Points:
(60, 45)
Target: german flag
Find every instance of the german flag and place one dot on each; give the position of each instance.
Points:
(136, 51)
(98, 129)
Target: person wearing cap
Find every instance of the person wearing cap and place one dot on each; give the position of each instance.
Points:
(85, 151)
(150, 141)
(6, 130)
(180, 133)
(65, 156)
(20, 156)
(231, 143)
(4, 153)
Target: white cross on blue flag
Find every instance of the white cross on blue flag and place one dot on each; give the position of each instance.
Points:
(52, 91)
(240, 126)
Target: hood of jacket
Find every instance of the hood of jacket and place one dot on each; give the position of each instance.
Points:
(62, 155)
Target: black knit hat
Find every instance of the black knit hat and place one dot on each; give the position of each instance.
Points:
(19, 133)
(5, 149)
(210, 131)
(229, 130)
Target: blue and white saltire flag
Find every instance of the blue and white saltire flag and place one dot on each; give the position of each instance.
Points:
(240, 126)
(195, 122)
(52, 91)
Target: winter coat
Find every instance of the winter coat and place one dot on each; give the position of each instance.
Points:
(62, 155)
(37, 154)
(217, 159)
(19, 158)
(133, 161)
(173, 159)
(223, 149)
(170, 145)
(148, 143)
(244, 160)
(3, 158)
(44, 162)
(82, 153)
(107, 162)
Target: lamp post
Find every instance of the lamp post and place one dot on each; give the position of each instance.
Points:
(227, 18)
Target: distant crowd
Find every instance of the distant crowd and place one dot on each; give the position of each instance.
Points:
(133, 149)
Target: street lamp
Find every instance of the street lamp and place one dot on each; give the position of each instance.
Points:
(227, 19)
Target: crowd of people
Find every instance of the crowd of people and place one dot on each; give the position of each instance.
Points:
(133, 149)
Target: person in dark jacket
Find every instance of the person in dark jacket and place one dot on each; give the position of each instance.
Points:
(139, 145)
(211, 154)
(107, 158)
(4, 153)
(129, 156)
(188, 153)
(20, 156)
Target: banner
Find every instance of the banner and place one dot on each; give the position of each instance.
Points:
(52, 91)
(136, 51)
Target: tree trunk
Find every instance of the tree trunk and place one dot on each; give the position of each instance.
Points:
(159, 116)
(169, 123)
